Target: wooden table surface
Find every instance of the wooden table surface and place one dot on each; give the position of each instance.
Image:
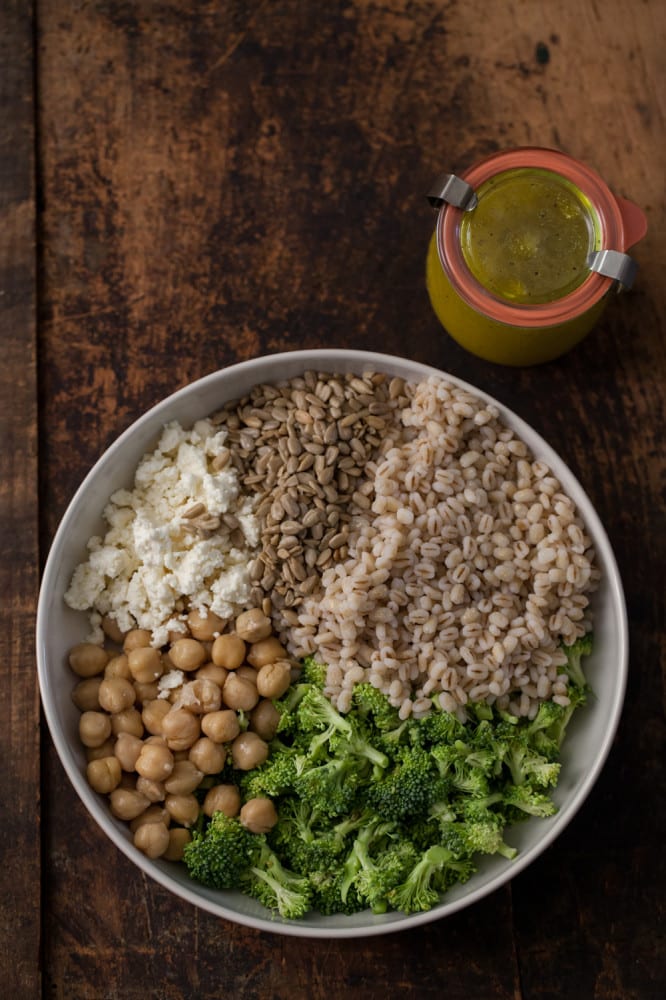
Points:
(187, 183)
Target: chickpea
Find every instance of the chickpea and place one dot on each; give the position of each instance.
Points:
(180, 728)
(183, 809)
(145, 664)
(146, 692)
(111, 629)
(178, 838)
(207, 756)
(222, 798)
(274, 678)
(105, 750)
(118, 666)
(152, 839)
(264, 719)
(184, 778)
(153, 814)
(211, 672)
(116, 694)
(136, 638)
(204, 626)
(153, 715)
(153, 790)
(200, 696)
(87, 659)
(240, 693)
(157, 739)
(85, 694)
(222, 726)
(127, 803)
(103, 774)
(228, 651)
(127, 721)
(94, 728)
(247, 671)
(258, 815)
(266, 651)
(248, 750)
(155, 762)
(127, 749)
(174, 634)
(253, 625)
(187, 654)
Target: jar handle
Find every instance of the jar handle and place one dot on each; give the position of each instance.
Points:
(634, 222)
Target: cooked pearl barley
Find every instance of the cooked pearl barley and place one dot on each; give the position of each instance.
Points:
(464, 523)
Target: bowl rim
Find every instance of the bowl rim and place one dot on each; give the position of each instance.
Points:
(337, 360)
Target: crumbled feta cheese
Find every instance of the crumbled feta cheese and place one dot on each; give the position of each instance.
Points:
(169, 682)
(151, 556)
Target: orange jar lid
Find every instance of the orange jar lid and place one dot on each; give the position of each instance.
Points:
(527, 262)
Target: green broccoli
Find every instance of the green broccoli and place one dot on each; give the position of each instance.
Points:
(327, 893)
(268, 881)
(371, 704)
(378, 875)
(441, 727)
(527, 799)
(304, 838)
(575, 653)
(218, 855)
(331, 787)
(527, 764)
(313, 673)
(373, 835)
(275, 776)
(420, 890)
(317, 720)
(408, 788)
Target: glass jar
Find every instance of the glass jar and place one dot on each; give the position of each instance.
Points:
(529, 246)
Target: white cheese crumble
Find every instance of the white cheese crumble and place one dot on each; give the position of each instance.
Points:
(152, 556)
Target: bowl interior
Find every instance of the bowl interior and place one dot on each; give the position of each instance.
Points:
(58, 628)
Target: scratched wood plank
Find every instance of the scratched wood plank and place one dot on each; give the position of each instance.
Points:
(19, 733)
(222, 180)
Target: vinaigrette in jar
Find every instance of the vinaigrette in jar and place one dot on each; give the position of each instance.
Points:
(510, 278)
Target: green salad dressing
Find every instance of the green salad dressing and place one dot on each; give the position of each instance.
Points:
(530, 235)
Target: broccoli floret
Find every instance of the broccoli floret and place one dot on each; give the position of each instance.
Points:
(421, 887)
(441, 727)
(526, 764)
(268, 881)
(369, 702)
(465, 768)
(379, 875)
(218, 855)
(304, 838)
(373, 835)
(316, 721)
(313, 673)
(331, 787)
(327, 895)
(577, 698)
(480, 831)
(408, 789)
(527, 799)
(575, 653)
(274, 777)
(357, 744)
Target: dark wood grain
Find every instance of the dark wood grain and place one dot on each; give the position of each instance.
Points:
(223, 179)
(19, 732)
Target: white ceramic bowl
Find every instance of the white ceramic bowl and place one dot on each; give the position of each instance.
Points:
(58, 628)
